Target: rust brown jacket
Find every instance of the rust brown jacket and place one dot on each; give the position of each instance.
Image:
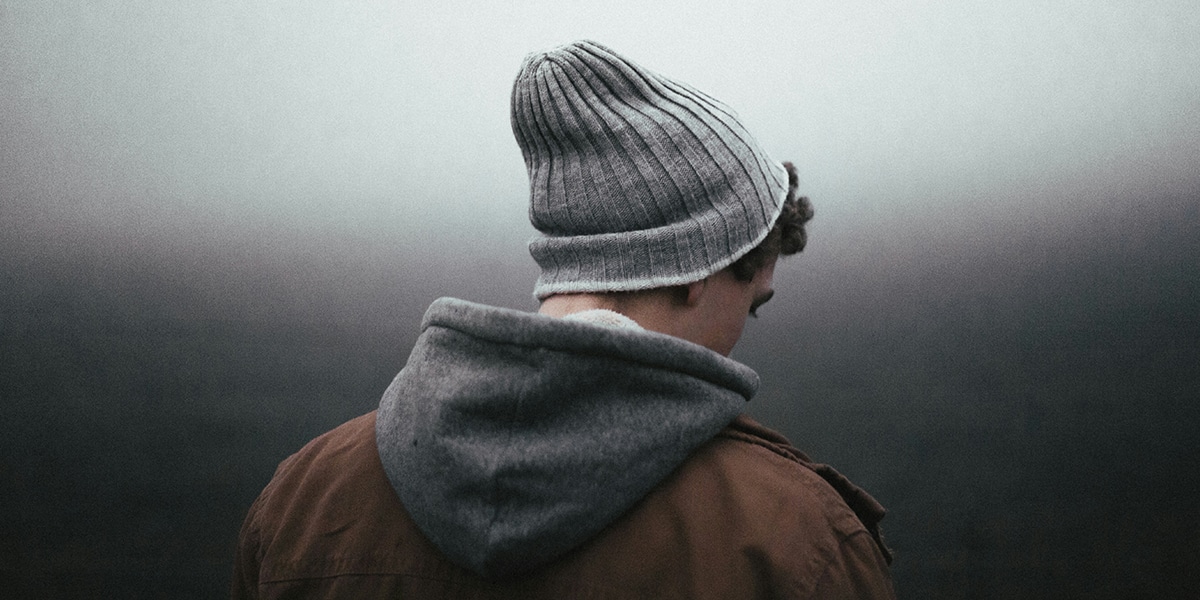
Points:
(521, 456)
(747, 516)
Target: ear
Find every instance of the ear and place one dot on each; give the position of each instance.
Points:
(695, 291)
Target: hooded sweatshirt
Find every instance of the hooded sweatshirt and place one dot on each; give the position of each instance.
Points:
(512, 440)
(511, 437)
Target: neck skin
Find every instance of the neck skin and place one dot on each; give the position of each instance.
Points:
(655, 310)
(710, 312)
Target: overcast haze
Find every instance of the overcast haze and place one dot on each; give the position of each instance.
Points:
(154, 120)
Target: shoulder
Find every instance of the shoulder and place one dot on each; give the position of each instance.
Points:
(335, 458)
(816, 533)
(865, 507)
(303, 480)
(325, 507)
(313, 477)
(759, 463)
(328, 450)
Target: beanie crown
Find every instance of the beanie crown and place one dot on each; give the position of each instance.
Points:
(636, 181)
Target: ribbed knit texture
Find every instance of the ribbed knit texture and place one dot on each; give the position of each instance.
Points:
(636, 181)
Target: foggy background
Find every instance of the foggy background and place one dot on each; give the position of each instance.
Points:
(221, 222)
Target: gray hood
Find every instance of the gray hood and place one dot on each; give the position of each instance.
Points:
(513, 437)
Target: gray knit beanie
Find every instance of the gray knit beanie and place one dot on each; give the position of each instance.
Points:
(636, 181)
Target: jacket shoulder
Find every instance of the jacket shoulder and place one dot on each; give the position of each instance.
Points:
(329, 517)
(745, 512)
(867, 511)
(814, 532)
(764, 460)
(331, 449)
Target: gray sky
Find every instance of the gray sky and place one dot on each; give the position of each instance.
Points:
(389, 120)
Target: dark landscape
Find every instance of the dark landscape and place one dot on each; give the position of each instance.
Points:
(1025, 404)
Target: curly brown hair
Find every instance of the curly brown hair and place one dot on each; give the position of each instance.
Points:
(786, 237)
